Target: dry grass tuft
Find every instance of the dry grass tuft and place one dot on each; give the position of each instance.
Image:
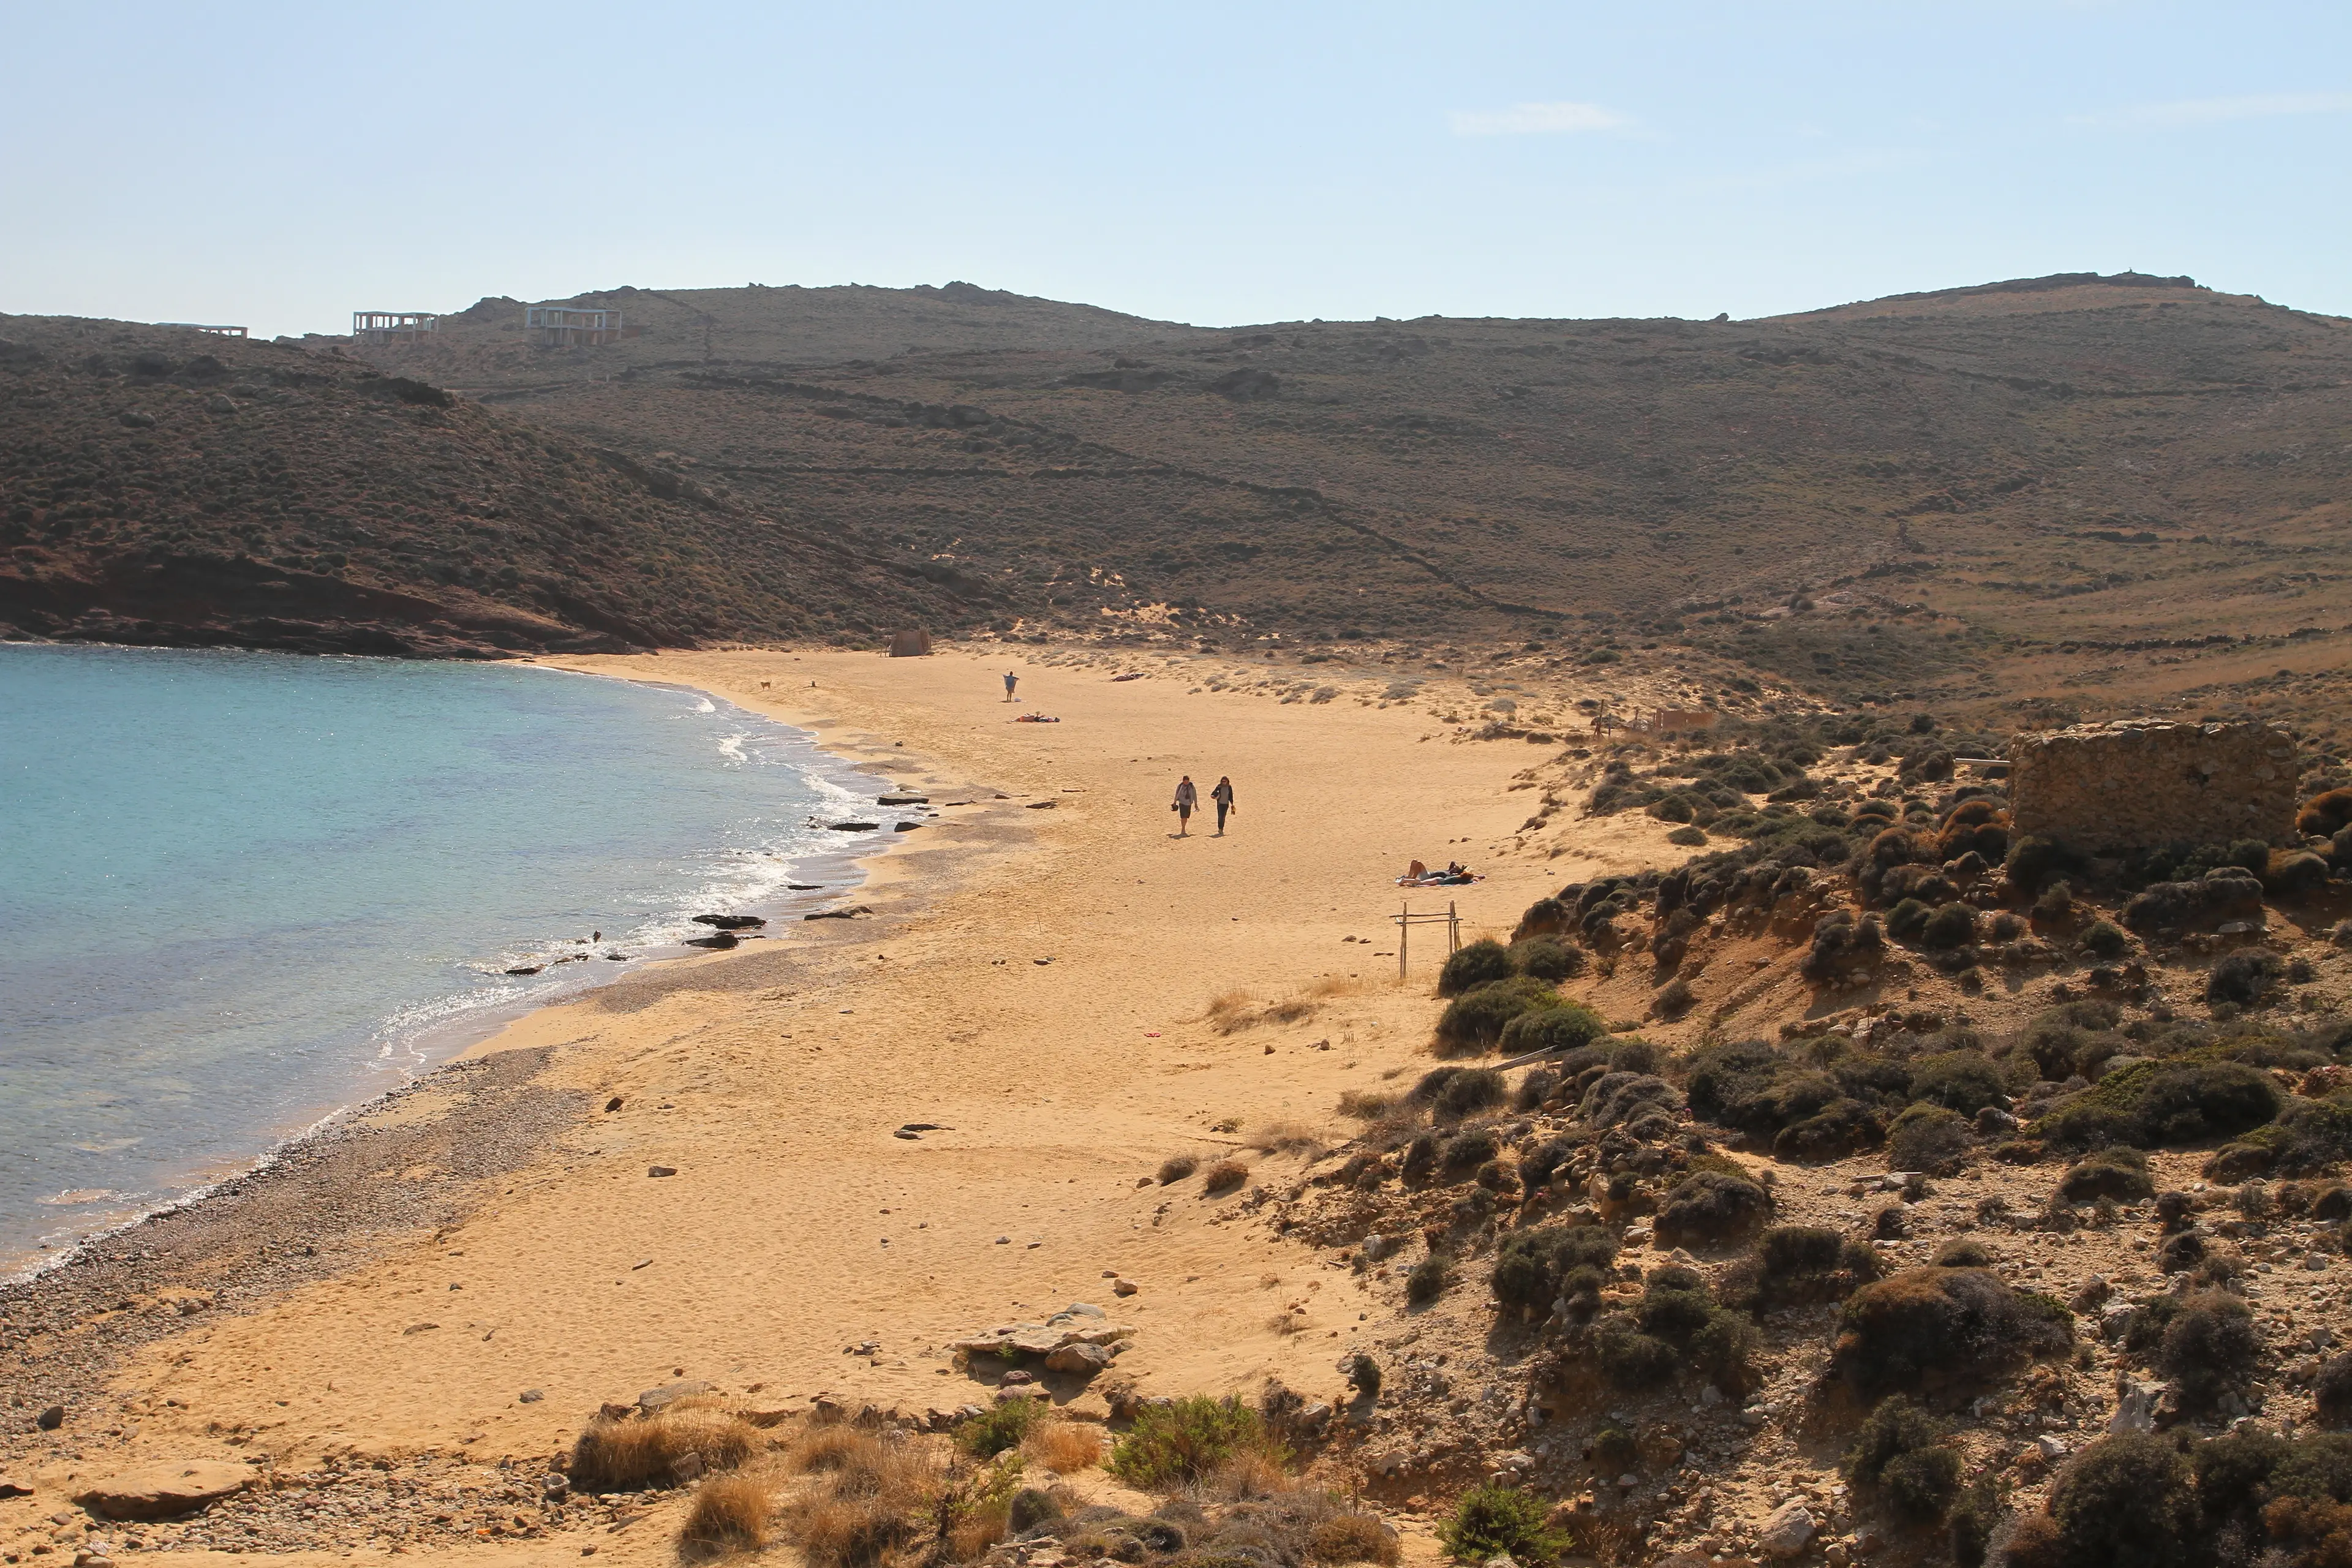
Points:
(1286, 1323)
(1224, 1176)
(630, 1454)
(1354, 1538)
(1286, 1137)
(1229, 1011)
(1176, 1167)
(836, 1531)
(1065, 1448)
(1251, 1473)
(827, 1447)
(1369, 1104)
(730, 1514)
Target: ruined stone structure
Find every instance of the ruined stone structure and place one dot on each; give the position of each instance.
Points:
(2137, 784)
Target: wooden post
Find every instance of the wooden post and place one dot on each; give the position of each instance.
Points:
(1404, 933)
(1453, 930)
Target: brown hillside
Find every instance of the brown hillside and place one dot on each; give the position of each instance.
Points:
(160, 486)
(1979, 493)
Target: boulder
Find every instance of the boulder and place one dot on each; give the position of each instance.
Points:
(1787, 1532)
(730, 923)
(164, 1490)
(1083, 1359)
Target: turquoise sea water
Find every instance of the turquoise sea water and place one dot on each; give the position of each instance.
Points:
(238, 890)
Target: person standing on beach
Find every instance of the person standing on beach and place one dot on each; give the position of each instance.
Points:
(1223, 796)
(1188, 800)
(1010, 681)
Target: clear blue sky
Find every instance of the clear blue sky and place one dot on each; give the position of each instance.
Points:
(280, 164)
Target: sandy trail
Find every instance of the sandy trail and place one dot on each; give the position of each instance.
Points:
(772, 1080)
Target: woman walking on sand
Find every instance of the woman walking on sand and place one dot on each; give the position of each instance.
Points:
(1223, 796)
(1188, 800)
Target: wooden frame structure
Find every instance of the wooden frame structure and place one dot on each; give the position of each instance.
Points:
(201, 327)
(1405, 920)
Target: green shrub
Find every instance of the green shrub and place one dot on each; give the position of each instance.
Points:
(2151, 1104)
(1711, 1206)
(2116, 1172)
(1480, 963)
(2210, 1348)
(1964, 1081)
(1473, 1020)
(1907, 919)
(2125, 1499)
(1810, 1263)
(1546, 959)
(2034, 861)
(1175, 1444)
(2105, 940)
(1961, 1322)
(1493, 1521)
(2331, 1391)
(1428, 1279)
(1630, 1359)
(2248, 978)
(1617, 1098)
(1964, 1252)
(1686, 837)
(1468, 1149)
(1927, 1138)
(1954, 925)
(1841, 1127)
(1419, 1158)
(1533, 1265)
(1005, 1425)
(1556, 1030)
(1901, 1450)
(1467, 1092)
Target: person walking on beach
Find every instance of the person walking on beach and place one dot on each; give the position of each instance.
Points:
(1223, 796)
(1010, 681)
(1188, 800)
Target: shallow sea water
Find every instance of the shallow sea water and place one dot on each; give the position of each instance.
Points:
(239, 890)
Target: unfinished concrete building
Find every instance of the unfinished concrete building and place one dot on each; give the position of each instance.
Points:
(571, 326)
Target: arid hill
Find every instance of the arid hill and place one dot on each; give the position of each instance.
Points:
(2074, 493)
(162, 486)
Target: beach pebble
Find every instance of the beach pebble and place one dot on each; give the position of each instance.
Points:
(1124, 1287)
(52, 1418)
(531, 1395)
(661, 1170)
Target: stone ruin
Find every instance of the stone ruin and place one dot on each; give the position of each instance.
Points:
(2139, 784)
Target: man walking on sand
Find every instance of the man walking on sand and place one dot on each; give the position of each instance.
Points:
(1010, 681)
(1223, 796)
(1188, 800)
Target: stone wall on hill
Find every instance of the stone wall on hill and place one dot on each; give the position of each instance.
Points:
(2137, 784)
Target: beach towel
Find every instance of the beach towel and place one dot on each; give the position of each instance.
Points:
(1033, 718)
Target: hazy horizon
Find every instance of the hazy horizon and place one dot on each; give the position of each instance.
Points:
(278, 166)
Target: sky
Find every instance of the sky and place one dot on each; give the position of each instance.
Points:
(280, 166)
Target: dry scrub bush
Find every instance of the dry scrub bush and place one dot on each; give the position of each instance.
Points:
(729, 1514)
(1224, 1176)
(1176, 1167)
(871, 1503)
(637, 1452)
(1227, 1012)
(1354, 1538)
(1286, 1137)
(1065, 1448)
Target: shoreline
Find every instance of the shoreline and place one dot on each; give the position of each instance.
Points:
(417, 1054)
(1033, 988)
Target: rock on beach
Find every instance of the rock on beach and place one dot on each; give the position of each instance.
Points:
(162, 1491)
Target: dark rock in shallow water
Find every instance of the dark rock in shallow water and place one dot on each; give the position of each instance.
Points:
(851, 913)
(527, 969)
(904, 800)
(723, 939)
(730, 923)
(853, 827)
(906, 827)
(805, 887)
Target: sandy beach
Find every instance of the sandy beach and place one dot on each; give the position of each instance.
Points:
(1032, 984)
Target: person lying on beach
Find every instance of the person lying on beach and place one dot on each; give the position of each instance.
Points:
(1036, 718)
